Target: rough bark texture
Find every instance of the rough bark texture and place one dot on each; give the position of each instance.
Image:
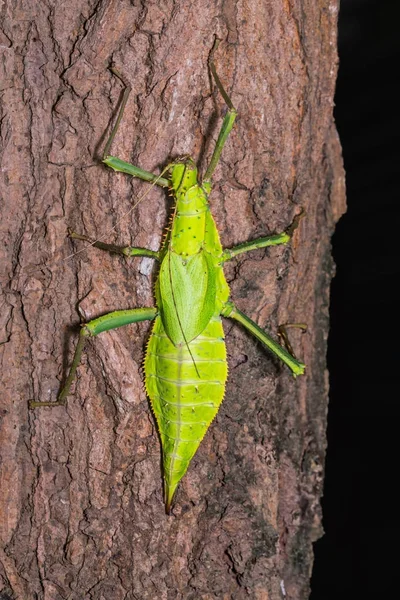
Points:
(81, 503)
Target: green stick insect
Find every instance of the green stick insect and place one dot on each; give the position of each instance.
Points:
(185, 364)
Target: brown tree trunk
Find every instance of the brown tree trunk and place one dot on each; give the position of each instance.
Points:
(81, 504)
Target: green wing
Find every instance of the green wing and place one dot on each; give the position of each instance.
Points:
(186, 291)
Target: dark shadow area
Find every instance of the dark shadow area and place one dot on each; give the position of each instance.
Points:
(358, 557)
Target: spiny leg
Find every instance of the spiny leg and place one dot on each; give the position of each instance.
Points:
(232, 312)
(124, 250)
(228, 121)
(107, 322)
(116, 163)
(263, 242)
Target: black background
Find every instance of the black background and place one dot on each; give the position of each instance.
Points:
(358, 556)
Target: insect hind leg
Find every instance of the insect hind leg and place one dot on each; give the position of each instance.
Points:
(112, 320)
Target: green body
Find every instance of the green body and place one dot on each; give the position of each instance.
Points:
(185, 363)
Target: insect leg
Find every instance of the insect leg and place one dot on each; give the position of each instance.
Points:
(124, 250)
(283, 335)
(118, 164)
(107, 322)
(264, 242)
(232, 312)
(228, 121)
(123, 167)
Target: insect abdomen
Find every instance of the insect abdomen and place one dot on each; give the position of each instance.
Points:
(185, 392)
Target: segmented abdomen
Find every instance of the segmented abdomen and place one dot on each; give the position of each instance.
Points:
(185, 392)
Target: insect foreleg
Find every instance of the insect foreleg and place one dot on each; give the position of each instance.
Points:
(118, 164)
(124, 250)
(107, 322)
(228, 121)
(232, 312)
(123, 167)
(125, 97)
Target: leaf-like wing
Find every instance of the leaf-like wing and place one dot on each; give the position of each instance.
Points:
(187, 290)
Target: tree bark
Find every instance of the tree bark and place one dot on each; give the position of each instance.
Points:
(81, 504)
